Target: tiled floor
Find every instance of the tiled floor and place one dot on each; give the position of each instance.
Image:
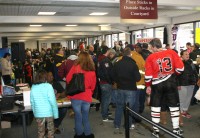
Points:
(106, 130)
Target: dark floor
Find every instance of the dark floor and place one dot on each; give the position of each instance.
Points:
(106, 130)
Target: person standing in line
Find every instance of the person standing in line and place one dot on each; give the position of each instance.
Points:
(160, 78)
(43, 103)
(186, 82)
(126, 79)
(105, 76)
(27, 70)
(81, 102)
(6, 68)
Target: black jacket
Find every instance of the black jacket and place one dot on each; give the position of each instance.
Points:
(104, 70)
(189, 75)
(126, 74)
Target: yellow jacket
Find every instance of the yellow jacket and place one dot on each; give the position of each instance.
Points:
(140, 63)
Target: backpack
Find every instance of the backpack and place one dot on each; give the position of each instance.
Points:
(62, 69)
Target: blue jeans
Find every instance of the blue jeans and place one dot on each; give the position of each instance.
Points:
(81, 110)
(123, 97)
(106, 92)
(62, 112)
(114, 96)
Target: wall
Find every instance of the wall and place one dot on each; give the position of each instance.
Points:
(32, 44)
(48, 43)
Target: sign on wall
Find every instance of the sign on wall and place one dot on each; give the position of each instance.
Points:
(197, 35)
(143, 40)
(138, 9)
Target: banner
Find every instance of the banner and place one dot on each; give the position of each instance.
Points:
(138, 9)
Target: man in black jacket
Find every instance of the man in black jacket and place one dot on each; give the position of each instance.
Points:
(104, 74)
(125, 74)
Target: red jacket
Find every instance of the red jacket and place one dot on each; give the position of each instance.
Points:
(90, 83)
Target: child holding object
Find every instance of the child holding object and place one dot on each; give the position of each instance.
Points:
(43, 103)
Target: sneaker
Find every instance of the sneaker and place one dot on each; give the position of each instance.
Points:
(155, 134)
(186, 114)
(178, 131)
(132, 127)
(109, 119)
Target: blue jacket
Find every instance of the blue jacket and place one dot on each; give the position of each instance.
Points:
(43, 101)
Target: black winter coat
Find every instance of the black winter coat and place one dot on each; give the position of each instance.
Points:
(189, 75)
(126, 74)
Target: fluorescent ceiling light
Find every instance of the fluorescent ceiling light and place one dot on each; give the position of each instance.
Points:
(46, 13)
(104, 25)
(71, 25)
(22, 40)
(98, 13)
(35, 25)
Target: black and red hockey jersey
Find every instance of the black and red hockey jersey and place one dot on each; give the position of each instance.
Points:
(161, 65)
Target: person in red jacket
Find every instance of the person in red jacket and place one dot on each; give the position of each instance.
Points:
(27, 69)
(81, 102)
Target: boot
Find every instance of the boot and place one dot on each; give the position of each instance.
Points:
(181, 120)
(163, 118)
(79, 136)
(90, 136)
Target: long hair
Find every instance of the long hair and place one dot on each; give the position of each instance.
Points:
(85, 61)
(41, 77)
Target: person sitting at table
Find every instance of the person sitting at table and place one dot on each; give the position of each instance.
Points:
(43, 103)
(60, 93)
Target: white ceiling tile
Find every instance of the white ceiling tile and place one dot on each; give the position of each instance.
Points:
(29, 10)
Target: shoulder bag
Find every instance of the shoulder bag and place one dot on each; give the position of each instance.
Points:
(76, 85)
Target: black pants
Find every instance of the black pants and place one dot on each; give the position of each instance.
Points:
(7, 79)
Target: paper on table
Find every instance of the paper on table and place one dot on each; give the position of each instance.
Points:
(26, 96)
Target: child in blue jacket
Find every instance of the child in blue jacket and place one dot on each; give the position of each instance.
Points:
(43, 103)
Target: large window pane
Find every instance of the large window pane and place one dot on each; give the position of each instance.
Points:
(148, 33)
(185, 34)
(136, 35)
(159, 33)
(108, 41)
(122, 37)
(114, 38)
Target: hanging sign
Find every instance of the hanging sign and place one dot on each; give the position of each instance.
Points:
(138, 9)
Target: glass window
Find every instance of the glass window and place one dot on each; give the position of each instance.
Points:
(122, 37)
(114, 38)
(148, 33)
(136, 35)
(91, 41)
(185, 34)
(108, 41)
(72, 44)
(197, 24)
(159, 33)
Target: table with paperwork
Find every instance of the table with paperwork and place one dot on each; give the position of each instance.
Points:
(61, 104)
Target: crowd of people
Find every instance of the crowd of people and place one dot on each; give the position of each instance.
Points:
(119, 75)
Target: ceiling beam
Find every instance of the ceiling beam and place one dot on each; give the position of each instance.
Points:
(51, 34)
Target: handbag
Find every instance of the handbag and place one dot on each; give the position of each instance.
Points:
(197, 95)
(76, 85)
